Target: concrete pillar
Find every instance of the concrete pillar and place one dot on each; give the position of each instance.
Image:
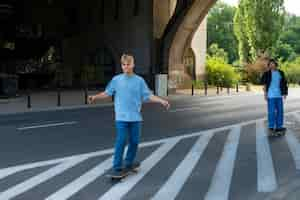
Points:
(162, 12)
(199, 46)
(183, 39)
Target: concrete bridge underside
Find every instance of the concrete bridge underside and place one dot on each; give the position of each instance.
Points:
(185, 29)
(166, 36)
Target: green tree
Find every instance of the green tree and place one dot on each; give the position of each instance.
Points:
(240, 32)
(291, 32)
(259, 23)
(292, 70)
(220, 28)
(285, 52)
(215, 51)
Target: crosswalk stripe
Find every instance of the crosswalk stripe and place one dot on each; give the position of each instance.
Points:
(297, 116)
(266, 180)
(38, 179)
(5, 172)
(82, 181)
(220, 185)
(174, 184)
(119, 190)
(12, 170)
(294, 147)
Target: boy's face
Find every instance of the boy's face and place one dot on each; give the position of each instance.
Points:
(127, 67)
(272, 66)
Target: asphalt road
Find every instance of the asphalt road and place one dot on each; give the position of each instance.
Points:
(202, 148)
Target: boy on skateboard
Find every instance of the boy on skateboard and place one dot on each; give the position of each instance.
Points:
(275, 89)
(129, 91)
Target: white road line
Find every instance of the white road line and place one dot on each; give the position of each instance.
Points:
(294, 147)
(119, 190)
(46, 125)
(76, 185)
(266, 179)
(36, 180)
(209, 108)
(186, 109)
(176, 181)
(11, 170)
(220, 185)
(297, 116)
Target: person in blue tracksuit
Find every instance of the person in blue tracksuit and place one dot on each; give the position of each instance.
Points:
(275, 90)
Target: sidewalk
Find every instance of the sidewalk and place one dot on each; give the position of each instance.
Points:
(43, 101)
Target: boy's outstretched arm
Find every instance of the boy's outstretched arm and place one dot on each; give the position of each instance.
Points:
(157, 99)
(101, 95)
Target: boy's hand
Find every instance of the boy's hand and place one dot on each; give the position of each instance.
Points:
(166, 104)
(91, 99)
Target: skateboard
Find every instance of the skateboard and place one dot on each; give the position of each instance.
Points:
(125, 173)
(273, 133)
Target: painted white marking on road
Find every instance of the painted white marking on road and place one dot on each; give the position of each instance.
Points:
(11, 170)
(76, 185)
(174, 184)
(185, 109)
(266, 179)
(220, 185)
(14, 169)
(294, 147)
(297, 116)
(119, 190)
(209, 108)
(36, 180)
(46, 125)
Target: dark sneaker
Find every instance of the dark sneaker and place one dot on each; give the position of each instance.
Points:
(133, 167)
(282, 129)
(271, 130)
(117, 173)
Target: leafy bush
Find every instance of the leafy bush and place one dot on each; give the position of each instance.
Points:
(220, 73)
(198, 84)
(292, 70)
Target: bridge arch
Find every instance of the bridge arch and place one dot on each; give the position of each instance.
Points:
(178, 36)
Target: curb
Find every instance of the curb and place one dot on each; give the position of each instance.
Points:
(57, 109)
(60, 108)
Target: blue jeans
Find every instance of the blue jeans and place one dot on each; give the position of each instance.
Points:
(275, 112)
(126, 131)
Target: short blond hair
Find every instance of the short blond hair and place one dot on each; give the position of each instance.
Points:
(127, 58)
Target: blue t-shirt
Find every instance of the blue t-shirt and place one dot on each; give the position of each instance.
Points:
(129, 94)
(274, 89)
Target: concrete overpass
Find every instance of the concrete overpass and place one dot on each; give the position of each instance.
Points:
(164, 35)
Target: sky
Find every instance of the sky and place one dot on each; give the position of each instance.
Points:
(292, 6)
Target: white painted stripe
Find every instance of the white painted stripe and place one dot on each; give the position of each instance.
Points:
(76, 185)
(220, 185)
(46, 125)
(294, 147)
(185, 109)
(119, 190)
(36, 180)
(11, 170)
(176, 181)
(209, 108)
(297, 116)
(266, 180)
